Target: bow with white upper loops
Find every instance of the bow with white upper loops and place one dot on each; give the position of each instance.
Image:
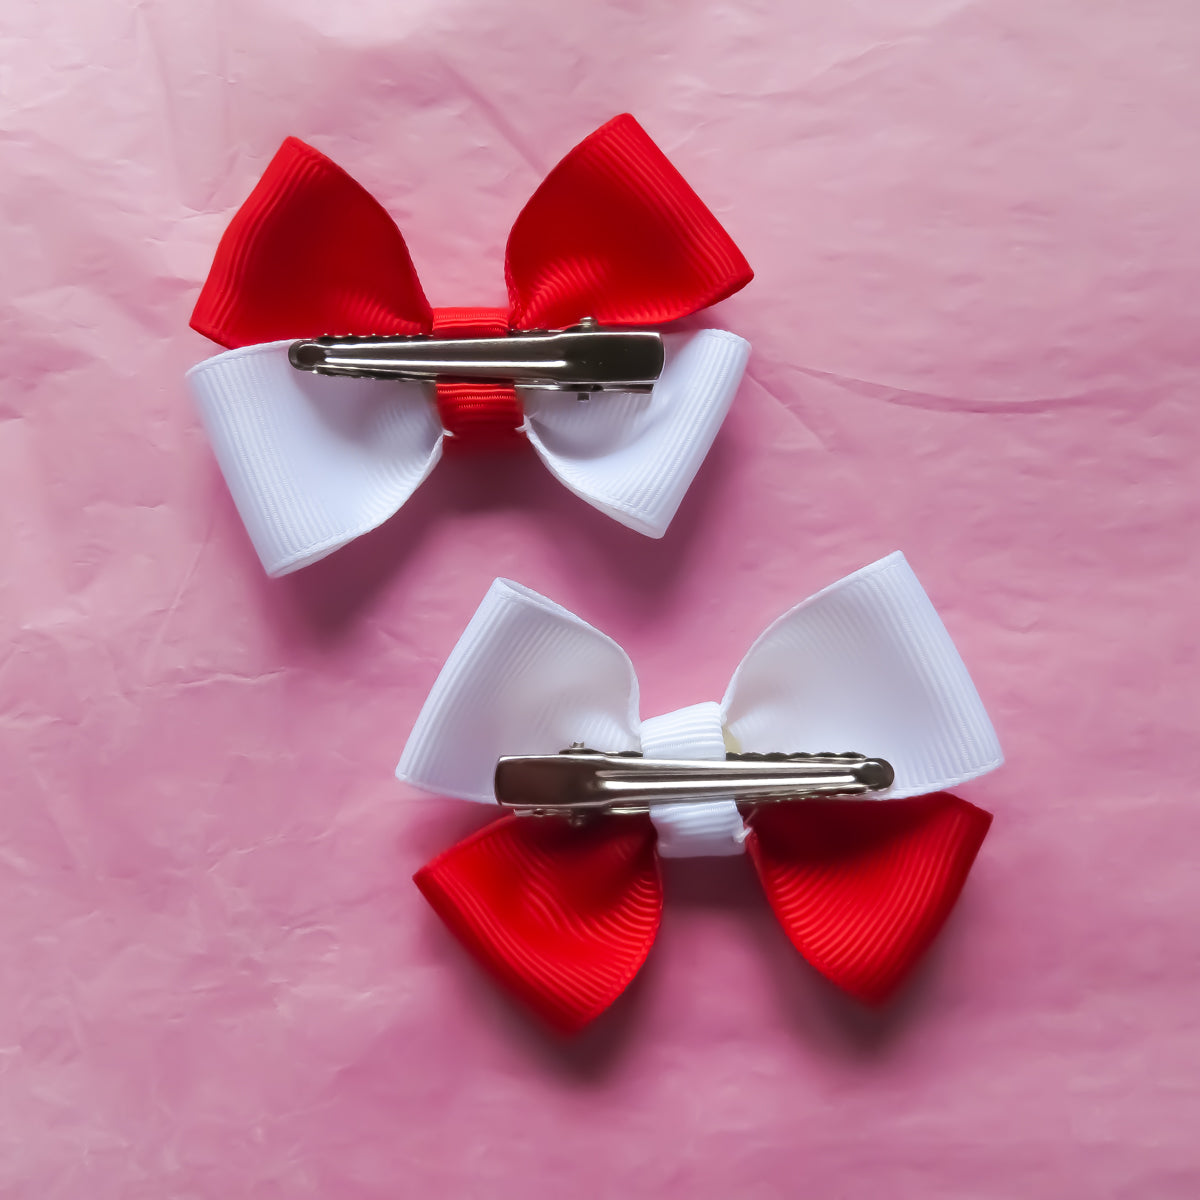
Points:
(564, 916)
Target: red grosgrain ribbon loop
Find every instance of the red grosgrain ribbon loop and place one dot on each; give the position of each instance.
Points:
(562, 917)
(476, 414)
(310, 253)
(863, 887)
(613, 232)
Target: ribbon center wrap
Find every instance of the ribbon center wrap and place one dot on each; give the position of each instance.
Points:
(477, 414)
(705, 828)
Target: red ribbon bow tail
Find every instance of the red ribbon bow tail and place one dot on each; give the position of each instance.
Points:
(309, 253)
(862, 889)
(562, 917)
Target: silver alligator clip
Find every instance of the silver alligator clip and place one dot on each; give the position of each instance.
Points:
(579, 781)
(585, 358)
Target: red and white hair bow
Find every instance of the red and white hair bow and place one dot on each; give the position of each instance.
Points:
(564, 915)
(613, 233)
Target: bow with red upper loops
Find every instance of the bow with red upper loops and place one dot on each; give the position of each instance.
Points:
(613, 233)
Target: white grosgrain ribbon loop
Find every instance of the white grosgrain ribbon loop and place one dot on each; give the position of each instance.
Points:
(313, 462)
(865, 665)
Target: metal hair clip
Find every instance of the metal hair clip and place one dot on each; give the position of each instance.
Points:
(580, 782)
(584, 358)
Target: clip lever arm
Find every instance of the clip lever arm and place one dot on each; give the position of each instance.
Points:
(580, 781)
(584, 358)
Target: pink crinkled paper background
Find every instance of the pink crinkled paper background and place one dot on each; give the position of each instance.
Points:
(975, 330)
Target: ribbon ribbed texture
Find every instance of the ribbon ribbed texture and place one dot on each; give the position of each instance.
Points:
(303, 453)
(633, 456)
(310, 252)
(866, 665)
(705, 827)
(563, 917)
(527, 676)
(474, 412)
(614, 232)
(862, 889)
(310, 463)
(860, 886)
